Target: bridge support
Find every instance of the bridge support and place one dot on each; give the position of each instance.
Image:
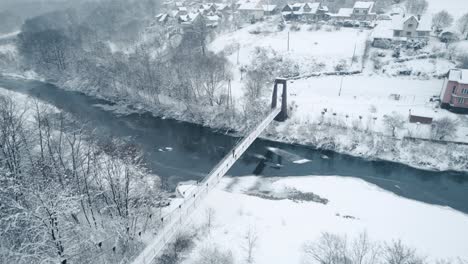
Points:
(283, 115)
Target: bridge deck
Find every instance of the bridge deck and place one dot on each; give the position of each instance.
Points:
(181, 216)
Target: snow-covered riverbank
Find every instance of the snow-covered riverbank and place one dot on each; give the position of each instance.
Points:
(359, 142)
(283, 224)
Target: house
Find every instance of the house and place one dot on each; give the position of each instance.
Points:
(212, 21)
(411, 27)
(342, 15)
(363, 11)
(304, 11)
(210, 7)
(269, 10)
(191, 19)
(251, 11)
(454, 94)
(382, 35)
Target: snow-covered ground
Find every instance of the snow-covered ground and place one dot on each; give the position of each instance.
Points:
(354, 206)
(370, 97)
(305, 47)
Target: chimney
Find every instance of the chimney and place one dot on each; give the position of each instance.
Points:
(419, 17)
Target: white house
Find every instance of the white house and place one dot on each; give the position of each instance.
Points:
(363, 11)
(411, 27)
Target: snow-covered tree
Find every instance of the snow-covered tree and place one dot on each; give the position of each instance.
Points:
(462, 24)
(442, 20)
(416, 6)
(393, 122)
(214, 255)
(444, 128)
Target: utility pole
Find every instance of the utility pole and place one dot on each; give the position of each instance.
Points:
(341, 85)
(288, 40)
(238, 50)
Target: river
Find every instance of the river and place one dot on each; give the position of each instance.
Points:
(179, 151)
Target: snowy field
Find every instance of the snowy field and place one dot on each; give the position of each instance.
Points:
(305, 46)
(282, 226)
(370, 97)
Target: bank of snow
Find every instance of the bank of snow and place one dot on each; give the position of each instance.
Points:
(354, 206)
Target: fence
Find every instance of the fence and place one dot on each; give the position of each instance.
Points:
(174, 220)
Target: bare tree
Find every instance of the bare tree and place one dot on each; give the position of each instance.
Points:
(416, 6)
(442, 20)
(444, 128)
(393, 122)
(397, 253)
(462, 24)
(363, 251)
(329, 249)
(251, 243)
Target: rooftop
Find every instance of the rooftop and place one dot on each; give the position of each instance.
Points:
(363, 5)
(344, 12)
(458, 75)
(424, 24)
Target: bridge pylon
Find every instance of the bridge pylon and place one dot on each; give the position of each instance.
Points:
(283, 115)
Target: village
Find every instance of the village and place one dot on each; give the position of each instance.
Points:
(234, 131)
(393, 61)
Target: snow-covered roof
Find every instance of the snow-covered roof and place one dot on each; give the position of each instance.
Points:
(363, 5)
(299, 8)
(458, 75)
(383, 30)
(162, 18)
(221, 6)
(250, 6)
(268, 8)
(212, 18)
(344, 12)
(189, 17)
(424, 24)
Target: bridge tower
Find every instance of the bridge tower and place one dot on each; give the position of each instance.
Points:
(283, 115)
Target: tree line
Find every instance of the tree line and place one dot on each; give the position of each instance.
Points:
(66, 196)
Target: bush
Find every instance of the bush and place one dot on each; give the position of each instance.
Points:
(214, 255)
(341, 66)
(295, 27)
(463, 61)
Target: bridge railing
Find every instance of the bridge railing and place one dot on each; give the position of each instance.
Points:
(174, 220)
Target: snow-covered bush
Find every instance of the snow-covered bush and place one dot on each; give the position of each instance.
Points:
(341, 66)
(393, 122)
(213, 254)
(463, 61)
(295, 27)
(444, 128)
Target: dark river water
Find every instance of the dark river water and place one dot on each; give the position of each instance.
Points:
(178, 151)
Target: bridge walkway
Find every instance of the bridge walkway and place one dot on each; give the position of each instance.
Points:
(175, 220)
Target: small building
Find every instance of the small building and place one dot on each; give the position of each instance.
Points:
(454, 94)
(411, 27)
(251, 11)
(363, 11)
(418, 119)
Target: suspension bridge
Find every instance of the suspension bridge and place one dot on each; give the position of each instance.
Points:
(173, 222)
